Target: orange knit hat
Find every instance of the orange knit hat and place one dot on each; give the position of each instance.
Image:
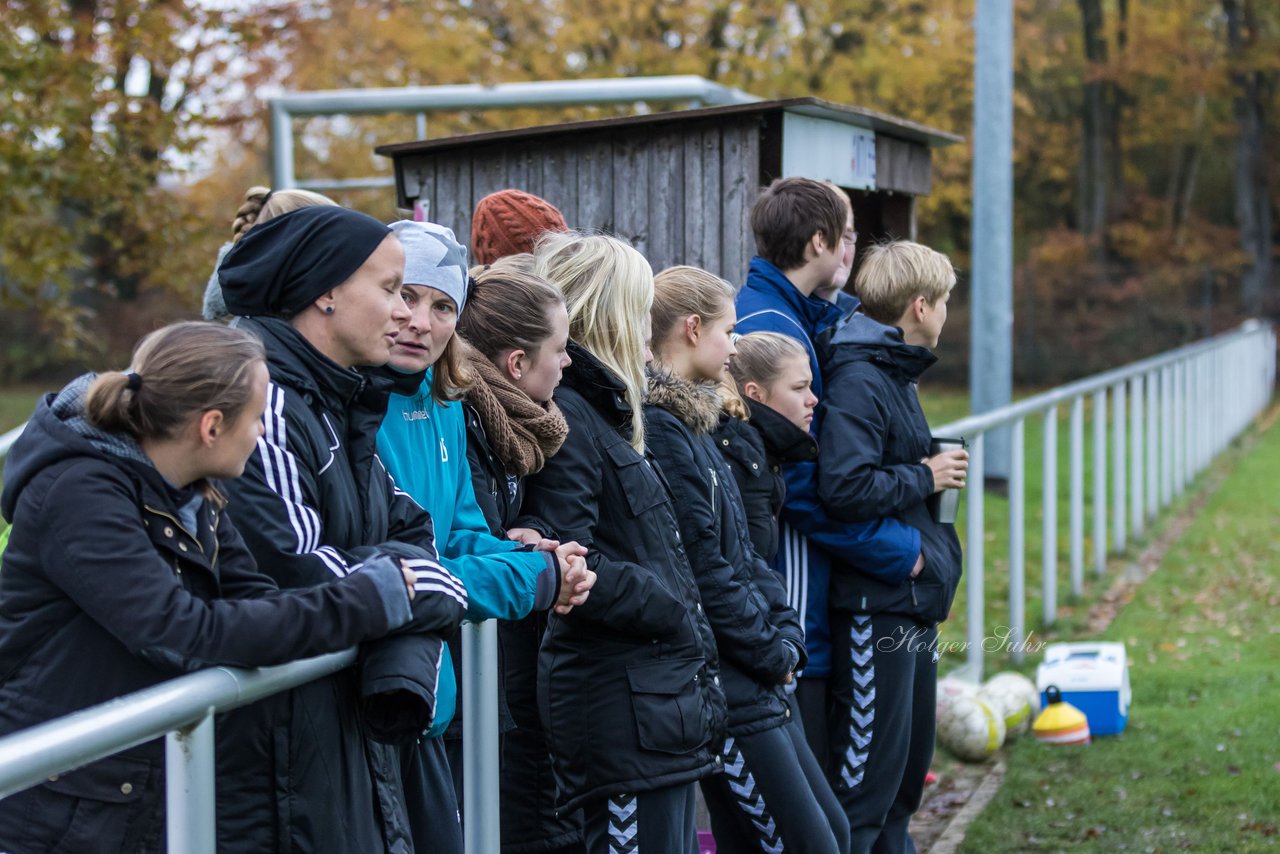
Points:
(509, 222)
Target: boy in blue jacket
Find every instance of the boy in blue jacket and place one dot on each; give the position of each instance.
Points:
(876, 466)
(801, 229)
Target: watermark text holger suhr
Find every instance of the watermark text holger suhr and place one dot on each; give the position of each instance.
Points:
(1001, 639)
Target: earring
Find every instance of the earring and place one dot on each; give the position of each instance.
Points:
(517, 375)
(328, 309)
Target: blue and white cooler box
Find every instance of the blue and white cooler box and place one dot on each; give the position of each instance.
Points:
(1093, 677)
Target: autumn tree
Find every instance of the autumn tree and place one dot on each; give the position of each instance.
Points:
(105, 101)
(1253, 79)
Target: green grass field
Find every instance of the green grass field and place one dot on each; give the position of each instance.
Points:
(16, 405)
(1198, 768)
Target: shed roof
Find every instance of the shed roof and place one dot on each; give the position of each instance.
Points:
(816, 107)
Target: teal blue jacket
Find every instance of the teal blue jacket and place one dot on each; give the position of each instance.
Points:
(424, 447)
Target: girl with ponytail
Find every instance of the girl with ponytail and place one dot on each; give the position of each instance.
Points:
(517, 330)
(123, 571)
(260, 205)
(773, 795)
(628, 688)
(770, 378)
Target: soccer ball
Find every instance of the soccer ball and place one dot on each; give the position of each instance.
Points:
(971, 729)
(1014, 697)
(951, 688)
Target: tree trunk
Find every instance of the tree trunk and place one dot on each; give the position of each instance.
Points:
(1118, 100)
(1182, 180)
(1093, 153)
(1253, 196)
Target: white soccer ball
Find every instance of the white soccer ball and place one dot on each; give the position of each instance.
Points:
(950, 688)
(971, 729)
(1014, 697)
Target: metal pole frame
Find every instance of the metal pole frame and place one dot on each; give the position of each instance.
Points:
(421, 100)
(189, 789)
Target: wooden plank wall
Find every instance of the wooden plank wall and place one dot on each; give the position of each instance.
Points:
(904, 167)
(680, 196)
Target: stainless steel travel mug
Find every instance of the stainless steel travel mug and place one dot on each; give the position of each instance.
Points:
(944, 505)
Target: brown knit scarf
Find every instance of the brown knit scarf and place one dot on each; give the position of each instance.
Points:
(521, 431)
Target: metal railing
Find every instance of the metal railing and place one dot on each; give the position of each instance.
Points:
(182, 711)
(421, 100)
(1170, 416)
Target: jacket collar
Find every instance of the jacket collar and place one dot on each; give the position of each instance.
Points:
(696, 404)
(813, 311)
(859, 338)
(783, 440)
(293, 360)
(606, 393)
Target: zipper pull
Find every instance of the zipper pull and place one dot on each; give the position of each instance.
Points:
(914, 601)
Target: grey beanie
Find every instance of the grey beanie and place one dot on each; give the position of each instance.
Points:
(433, 257)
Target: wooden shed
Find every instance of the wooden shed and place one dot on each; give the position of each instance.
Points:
(680, 185)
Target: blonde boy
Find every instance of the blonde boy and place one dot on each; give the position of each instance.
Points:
(875, 444)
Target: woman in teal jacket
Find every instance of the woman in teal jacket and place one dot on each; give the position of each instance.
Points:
(422, 443)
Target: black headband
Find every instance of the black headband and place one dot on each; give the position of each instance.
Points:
(281, 266)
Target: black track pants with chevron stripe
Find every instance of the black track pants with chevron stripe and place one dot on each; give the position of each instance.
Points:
(884, 686)
(653, 822)
(772, 798)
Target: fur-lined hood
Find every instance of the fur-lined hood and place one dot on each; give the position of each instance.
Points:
(696, 404)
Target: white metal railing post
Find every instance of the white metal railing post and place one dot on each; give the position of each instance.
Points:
(1100, 481)
(480, 744)
(975, 558)
(1137, 520)
(1201, 413)
(189, 788)
(1017, 540)
(1076, 516)
(1049, 529)
(1192, 404)
(1222, 422)
(1166, 437)
(1180, 426)
(1119, 471)
(1152, 447)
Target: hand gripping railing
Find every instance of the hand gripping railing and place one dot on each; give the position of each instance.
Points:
(1170, 416)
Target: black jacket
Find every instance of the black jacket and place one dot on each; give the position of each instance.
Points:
(530, 821)
(114, 581)
(627, 681)
(756, 450)
(317, 768)
(499, 494)
(874, 436)
(757, 634)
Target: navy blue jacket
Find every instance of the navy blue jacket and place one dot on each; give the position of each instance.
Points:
(757, 633)
(756, 450)
(314, 500)
(113, 581)
(627, 682)
(874, 436)
(769, 302)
